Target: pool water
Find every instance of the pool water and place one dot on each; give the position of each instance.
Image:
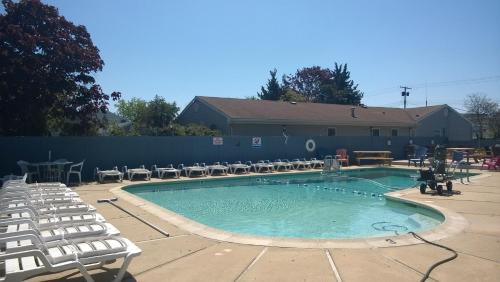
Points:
(309, 205)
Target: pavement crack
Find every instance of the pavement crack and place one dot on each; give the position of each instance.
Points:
(407, 266)
(251, 264)
(174, 260)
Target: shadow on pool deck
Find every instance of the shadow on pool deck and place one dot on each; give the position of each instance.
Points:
(188, 257)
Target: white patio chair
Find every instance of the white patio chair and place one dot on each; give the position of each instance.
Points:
(75, 169)
(22, 262)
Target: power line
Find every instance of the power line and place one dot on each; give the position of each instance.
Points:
(485, 79)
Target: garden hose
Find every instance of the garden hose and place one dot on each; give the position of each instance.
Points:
(455, 255)
(386, 226)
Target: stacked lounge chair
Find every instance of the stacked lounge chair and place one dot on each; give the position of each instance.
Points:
(282, 165)
(301, 164)
(238, 167)
(47, 228)
(161, 172)
(111, 173)
(141, 171)
(217, 168)
(195, 168)
(261, 166)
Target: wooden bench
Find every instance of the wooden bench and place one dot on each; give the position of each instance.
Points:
(384, 156)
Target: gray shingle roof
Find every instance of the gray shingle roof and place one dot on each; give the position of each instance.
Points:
(278, 112)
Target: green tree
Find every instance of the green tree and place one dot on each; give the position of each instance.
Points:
(322, 85)
(273, 89)
(46, 68)
(196, 130)
(340, 89)
(482, 110)
(155, 117)
(292, 96)
(160, 113)
(308, 81)
(135, 110)
(148, 118)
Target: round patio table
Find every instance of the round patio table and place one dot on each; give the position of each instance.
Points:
(51, 171)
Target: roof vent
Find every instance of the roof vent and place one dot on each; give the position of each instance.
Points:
(293, 102)
(417, 115)
(353, 112)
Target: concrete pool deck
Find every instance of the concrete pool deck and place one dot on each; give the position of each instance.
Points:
(185, 256)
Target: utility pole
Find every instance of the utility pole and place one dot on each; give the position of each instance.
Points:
(405, 93)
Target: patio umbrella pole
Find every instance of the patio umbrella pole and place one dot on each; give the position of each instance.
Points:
(112, 200)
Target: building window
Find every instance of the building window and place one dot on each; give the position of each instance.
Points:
(394, 132)
(332, 131)
(375, 131)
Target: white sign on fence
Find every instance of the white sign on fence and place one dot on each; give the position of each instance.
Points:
(217, 141)
(256, 142)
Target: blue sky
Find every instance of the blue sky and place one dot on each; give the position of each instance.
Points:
(180, 49)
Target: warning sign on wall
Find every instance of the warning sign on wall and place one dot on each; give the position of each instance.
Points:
(217, 141)
(256, 142)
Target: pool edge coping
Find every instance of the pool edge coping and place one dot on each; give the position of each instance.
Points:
(453, 224)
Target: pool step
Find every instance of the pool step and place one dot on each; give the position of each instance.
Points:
(416, 220)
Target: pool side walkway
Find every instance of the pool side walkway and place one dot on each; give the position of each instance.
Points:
(188, 257)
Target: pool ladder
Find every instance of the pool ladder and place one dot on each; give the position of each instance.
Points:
(331, 164)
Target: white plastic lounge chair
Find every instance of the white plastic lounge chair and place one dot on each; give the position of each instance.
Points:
(60, 231)
(238, 166)
(48, 209)
(299, 164)
(315, 163)
(188, 170)
(43, 200)
(28, 188)
(161, 172)
(112, 173)
(51, 220)
(282, 165)
(35, 194)
(307, 163)
(11, 179)
(217, 167)
(137, 171)
(261, 166)
(82, 254)
(28, 169)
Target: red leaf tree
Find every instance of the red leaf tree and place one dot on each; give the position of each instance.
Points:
(46, 67)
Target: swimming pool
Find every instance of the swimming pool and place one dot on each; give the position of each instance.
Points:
(307, 205)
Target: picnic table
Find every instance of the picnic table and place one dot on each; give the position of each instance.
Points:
(384, 156)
